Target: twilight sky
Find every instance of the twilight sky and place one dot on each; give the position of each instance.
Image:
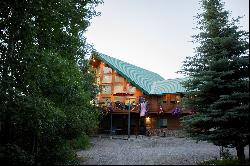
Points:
(152, 34)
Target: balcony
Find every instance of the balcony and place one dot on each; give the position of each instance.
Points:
(119, 107)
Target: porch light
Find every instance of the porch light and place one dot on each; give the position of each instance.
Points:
(147, 120)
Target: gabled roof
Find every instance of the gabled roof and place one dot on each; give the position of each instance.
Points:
(149, 82)
(139, 77)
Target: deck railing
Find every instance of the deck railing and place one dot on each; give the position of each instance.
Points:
(122, 107)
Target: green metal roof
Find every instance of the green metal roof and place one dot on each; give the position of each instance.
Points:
(149, 82)
(168, 86)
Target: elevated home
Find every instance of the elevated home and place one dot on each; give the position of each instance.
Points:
(126, 87)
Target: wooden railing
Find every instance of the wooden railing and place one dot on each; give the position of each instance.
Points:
(121, 107)
(166, 107)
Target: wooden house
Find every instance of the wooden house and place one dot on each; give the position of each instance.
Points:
(122, 85)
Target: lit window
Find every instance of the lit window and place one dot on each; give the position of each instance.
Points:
(107, 70)
(118, 88)
(106, 89)
(131, 100)
(119, 78)
(118, 98)
(107, 79)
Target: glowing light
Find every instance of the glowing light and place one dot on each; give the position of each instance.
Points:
(148, 120)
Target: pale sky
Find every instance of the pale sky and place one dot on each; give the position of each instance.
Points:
(152, 34)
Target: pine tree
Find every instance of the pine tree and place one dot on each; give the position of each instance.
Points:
(218, 85)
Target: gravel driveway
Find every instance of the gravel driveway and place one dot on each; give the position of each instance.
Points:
(149, 151)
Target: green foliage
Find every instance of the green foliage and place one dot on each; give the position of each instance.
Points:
(46, 84)
(81, 142)
(14, 155)
(218, 85)
(223, 162)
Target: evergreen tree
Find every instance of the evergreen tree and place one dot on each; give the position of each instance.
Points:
(218, 84)
(45, 83)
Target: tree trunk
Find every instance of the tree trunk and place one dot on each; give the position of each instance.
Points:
(240, 153)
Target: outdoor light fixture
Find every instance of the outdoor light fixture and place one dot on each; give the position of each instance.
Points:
(147, 120)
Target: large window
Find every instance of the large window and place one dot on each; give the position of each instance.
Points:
(118, 98)
(118, 88)
(106, 89)
(107, 70)
(107, 79)
(119, 78)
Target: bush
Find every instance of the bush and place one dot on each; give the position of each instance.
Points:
(82, 142)
(14, 155)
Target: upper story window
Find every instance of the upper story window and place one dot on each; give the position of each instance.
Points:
(107, 79)
(118, 88)
(107, 70)
(106, 89)
(119, 78)
(131, 89)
